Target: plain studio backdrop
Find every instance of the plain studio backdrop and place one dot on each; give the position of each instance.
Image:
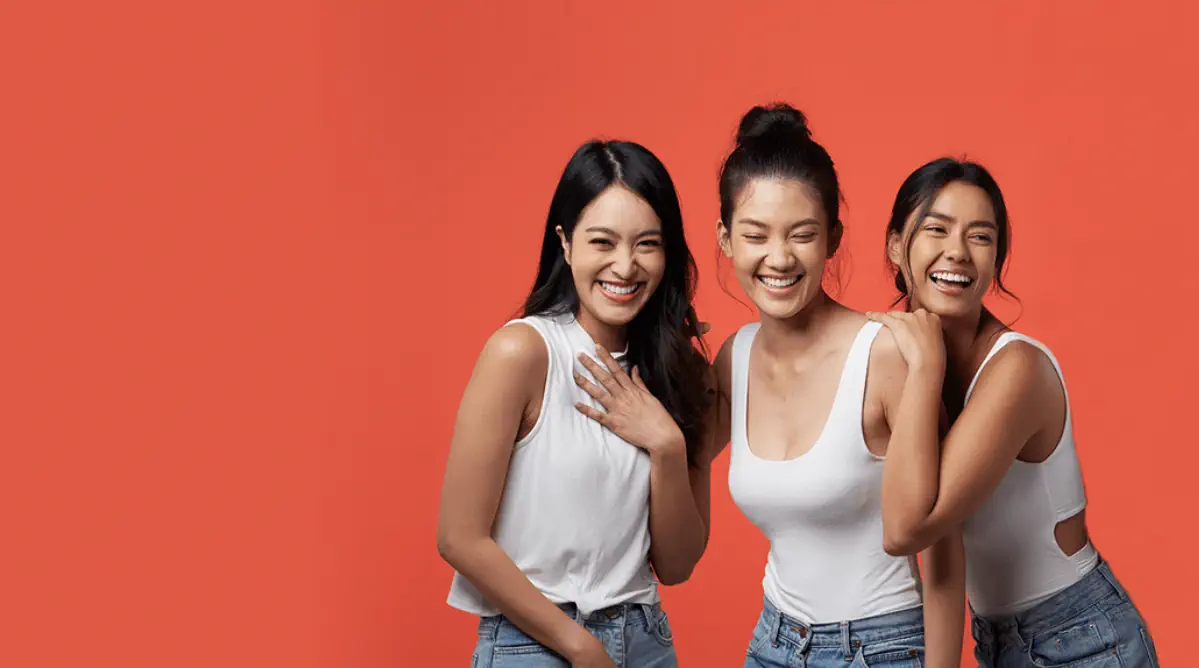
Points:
(252, 249)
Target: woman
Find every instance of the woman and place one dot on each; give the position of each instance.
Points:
(795, 387)
(551, 522)
(1007, 468)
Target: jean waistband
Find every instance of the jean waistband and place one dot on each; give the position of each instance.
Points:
(1094, 588)
(848, 634)
(616, 615)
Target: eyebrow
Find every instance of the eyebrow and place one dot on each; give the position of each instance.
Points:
(760, 224)
(610, 231)
(950, 219)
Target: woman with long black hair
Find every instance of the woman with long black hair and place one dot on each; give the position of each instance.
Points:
(558, 529)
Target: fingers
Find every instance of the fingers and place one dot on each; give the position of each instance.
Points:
(599, 373)
(613, 366)
(591, 389)
(599, 416)
(637, 379)
(889, 320)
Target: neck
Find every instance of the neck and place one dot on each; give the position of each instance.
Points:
(613, 338)
(784, 337)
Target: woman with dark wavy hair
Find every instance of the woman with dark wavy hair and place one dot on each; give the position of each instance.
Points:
(1006, 475)
(567, 495)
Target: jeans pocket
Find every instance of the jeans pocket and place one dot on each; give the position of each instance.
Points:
(659, 627)
(760, 635)
(1090, 642)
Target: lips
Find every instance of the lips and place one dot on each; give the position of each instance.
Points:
(620, 292)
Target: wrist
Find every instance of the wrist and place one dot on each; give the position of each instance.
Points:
(927, 372)
(670, 450)
(576, 642)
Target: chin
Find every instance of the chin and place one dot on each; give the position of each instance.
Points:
(947, 307)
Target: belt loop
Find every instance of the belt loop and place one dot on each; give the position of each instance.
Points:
(776, 626)
(845, 649)
(650, 617)
(578, 615)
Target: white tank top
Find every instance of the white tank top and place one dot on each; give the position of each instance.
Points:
(1013, 560)
(574, 515)
(822, 510)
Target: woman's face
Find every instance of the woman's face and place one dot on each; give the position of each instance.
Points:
(779, 242)
(950, 259)
(615, 255)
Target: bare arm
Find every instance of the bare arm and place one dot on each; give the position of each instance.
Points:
(509, 372)
(944, 573)
(930, 487)
(943, 565)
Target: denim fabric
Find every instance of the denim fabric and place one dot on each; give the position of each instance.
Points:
(635, 636)
(1091, 624)
(894, 640)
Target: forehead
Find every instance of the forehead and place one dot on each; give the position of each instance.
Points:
(778, 201)
(621, 210)
(964, 202)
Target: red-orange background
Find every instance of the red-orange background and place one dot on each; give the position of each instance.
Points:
(252, 249)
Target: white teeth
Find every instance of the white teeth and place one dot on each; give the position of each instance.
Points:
(778, 282)
(619, 289)
(952, 277)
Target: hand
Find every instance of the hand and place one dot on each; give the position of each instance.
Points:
(630, 411)
(590, 653)
(918, 335)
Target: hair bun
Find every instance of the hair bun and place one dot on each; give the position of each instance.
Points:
(778, 121)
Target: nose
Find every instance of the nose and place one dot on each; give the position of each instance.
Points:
(624, 264)
(780, 257)
(955, 248)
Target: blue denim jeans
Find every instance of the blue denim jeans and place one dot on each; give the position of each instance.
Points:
(635, 636)
(1091, 624)
(894, 640)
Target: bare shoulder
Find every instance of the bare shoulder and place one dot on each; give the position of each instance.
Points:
(514, 352)
(1019, 368)
(886, 362)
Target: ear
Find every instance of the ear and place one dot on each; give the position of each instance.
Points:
(723, 240)
(565, 243)
(835, 233)
(895, 248)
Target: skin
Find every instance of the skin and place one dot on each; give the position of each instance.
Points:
(1018, 407)
(780, 229)
(617, 241)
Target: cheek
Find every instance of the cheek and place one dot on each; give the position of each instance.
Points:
(920, 258)
(654, 265)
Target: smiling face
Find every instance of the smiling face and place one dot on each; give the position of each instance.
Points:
(950, 258)
(779, 242)
(616, 258)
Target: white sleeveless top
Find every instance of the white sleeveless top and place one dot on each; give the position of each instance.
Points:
(574, 515)
(822, 510)
(1013, 560)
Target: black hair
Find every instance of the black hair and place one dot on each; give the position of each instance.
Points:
(917, 194)
(662, 337)
(774, 141)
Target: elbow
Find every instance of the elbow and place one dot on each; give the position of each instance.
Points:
(449, 546)
(900, 543)
(672, 577)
